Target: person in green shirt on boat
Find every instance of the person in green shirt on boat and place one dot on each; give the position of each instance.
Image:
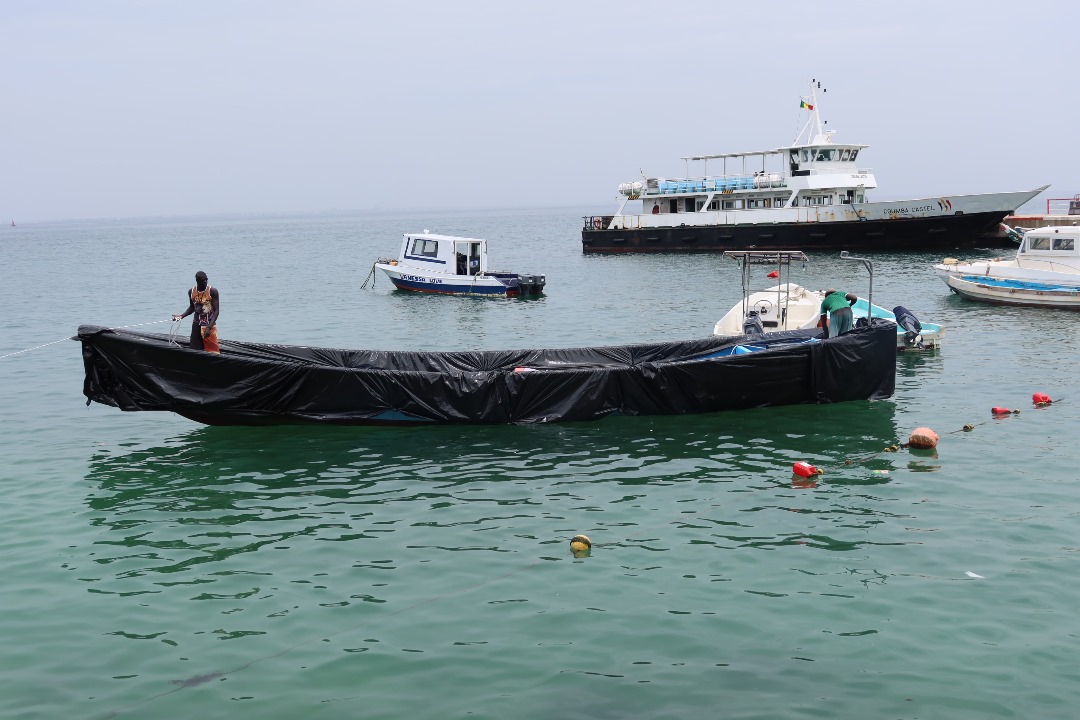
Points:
(836, 312)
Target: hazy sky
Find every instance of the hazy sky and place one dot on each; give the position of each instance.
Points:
(118, 109)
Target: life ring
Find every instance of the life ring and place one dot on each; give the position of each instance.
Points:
(597, 223)
(655, 209)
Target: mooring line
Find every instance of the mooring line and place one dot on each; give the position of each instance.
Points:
(69, 337)
(895, 447)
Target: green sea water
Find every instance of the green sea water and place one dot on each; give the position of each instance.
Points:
(153, 567)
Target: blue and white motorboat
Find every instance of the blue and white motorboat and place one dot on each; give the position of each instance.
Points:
(1044, 273)
(449, 265)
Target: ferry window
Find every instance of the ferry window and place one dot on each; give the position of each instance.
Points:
(845, 155)
(688, 204)
(794, 156)
(715, 204)
(1039, 243)
(1063, 243)
(673, 206)
(827, 200)
(854, 152)
(805, 201)
(805, 155)
(860, 198)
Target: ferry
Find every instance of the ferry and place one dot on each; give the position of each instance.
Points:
(813, 194)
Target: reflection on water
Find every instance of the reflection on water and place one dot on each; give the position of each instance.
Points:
(187, 508)
(275, 538)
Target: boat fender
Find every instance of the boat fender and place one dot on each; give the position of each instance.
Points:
(805, 469)
(950, 261)
(597, 223)
(1003, 411)
(580, 545)
(1041, 399)
(923, 438)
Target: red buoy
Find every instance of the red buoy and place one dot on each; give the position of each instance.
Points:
(774, 274)
(1041, 399)
(805, 469)
(1000, 411)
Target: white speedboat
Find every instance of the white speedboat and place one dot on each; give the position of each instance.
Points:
(1045, 271)
(448, 265)
(812, 194)
(789, 306)
(1046, 255)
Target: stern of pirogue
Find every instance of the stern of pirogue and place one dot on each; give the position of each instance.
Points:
(812, 194)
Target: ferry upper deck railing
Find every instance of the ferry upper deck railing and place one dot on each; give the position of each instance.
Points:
(759, 181)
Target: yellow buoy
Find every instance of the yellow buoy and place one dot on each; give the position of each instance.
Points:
(580, 545)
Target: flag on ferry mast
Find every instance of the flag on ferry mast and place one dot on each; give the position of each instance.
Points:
(804, 104)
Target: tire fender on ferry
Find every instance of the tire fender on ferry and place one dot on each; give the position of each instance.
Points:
(597, 223)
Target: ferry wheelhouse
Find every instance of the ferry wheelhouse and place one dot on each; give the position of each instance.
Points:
(812, 194)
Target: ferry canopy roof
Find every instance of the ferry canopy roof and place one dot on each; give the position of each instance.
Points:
(776, 151)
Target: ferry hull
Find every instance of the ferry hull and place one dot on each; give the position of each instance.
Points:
(917, 233)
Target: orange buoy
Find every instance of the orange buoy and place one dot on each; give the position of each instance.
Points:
(805, 469)
(1041, 399)
(923, 438)
(1000, 410)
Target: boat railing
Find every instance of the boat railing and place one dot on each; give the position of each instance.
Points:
(730, 183)
(597, 222)
(1063, 206)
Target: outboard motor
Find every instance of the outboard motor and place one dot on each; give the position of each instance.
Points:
(907, 320)
(752, 324)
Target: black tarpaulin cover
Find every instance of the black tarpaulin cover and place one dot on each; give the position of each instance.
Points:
(251, 383)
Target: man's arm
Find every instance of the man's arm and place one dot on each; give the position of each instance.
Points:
(215, 306)
(190, 309)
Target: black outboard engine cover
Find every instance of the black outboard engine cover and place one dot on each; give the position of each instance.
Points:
(907, 320)
(752, 324)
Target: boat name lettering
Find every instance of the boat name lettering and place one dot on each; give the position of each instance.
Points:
(905, 211)
(859, 177)
(417, 278)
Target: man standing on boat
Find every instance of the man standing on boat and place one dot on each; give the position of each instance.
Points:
(204, 301)
(836, 312)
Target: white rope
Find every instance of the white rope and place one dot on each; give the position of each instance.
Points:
(68, 337)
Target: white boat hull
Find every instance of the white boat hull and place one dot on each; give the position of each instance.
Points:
(1014, 292)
